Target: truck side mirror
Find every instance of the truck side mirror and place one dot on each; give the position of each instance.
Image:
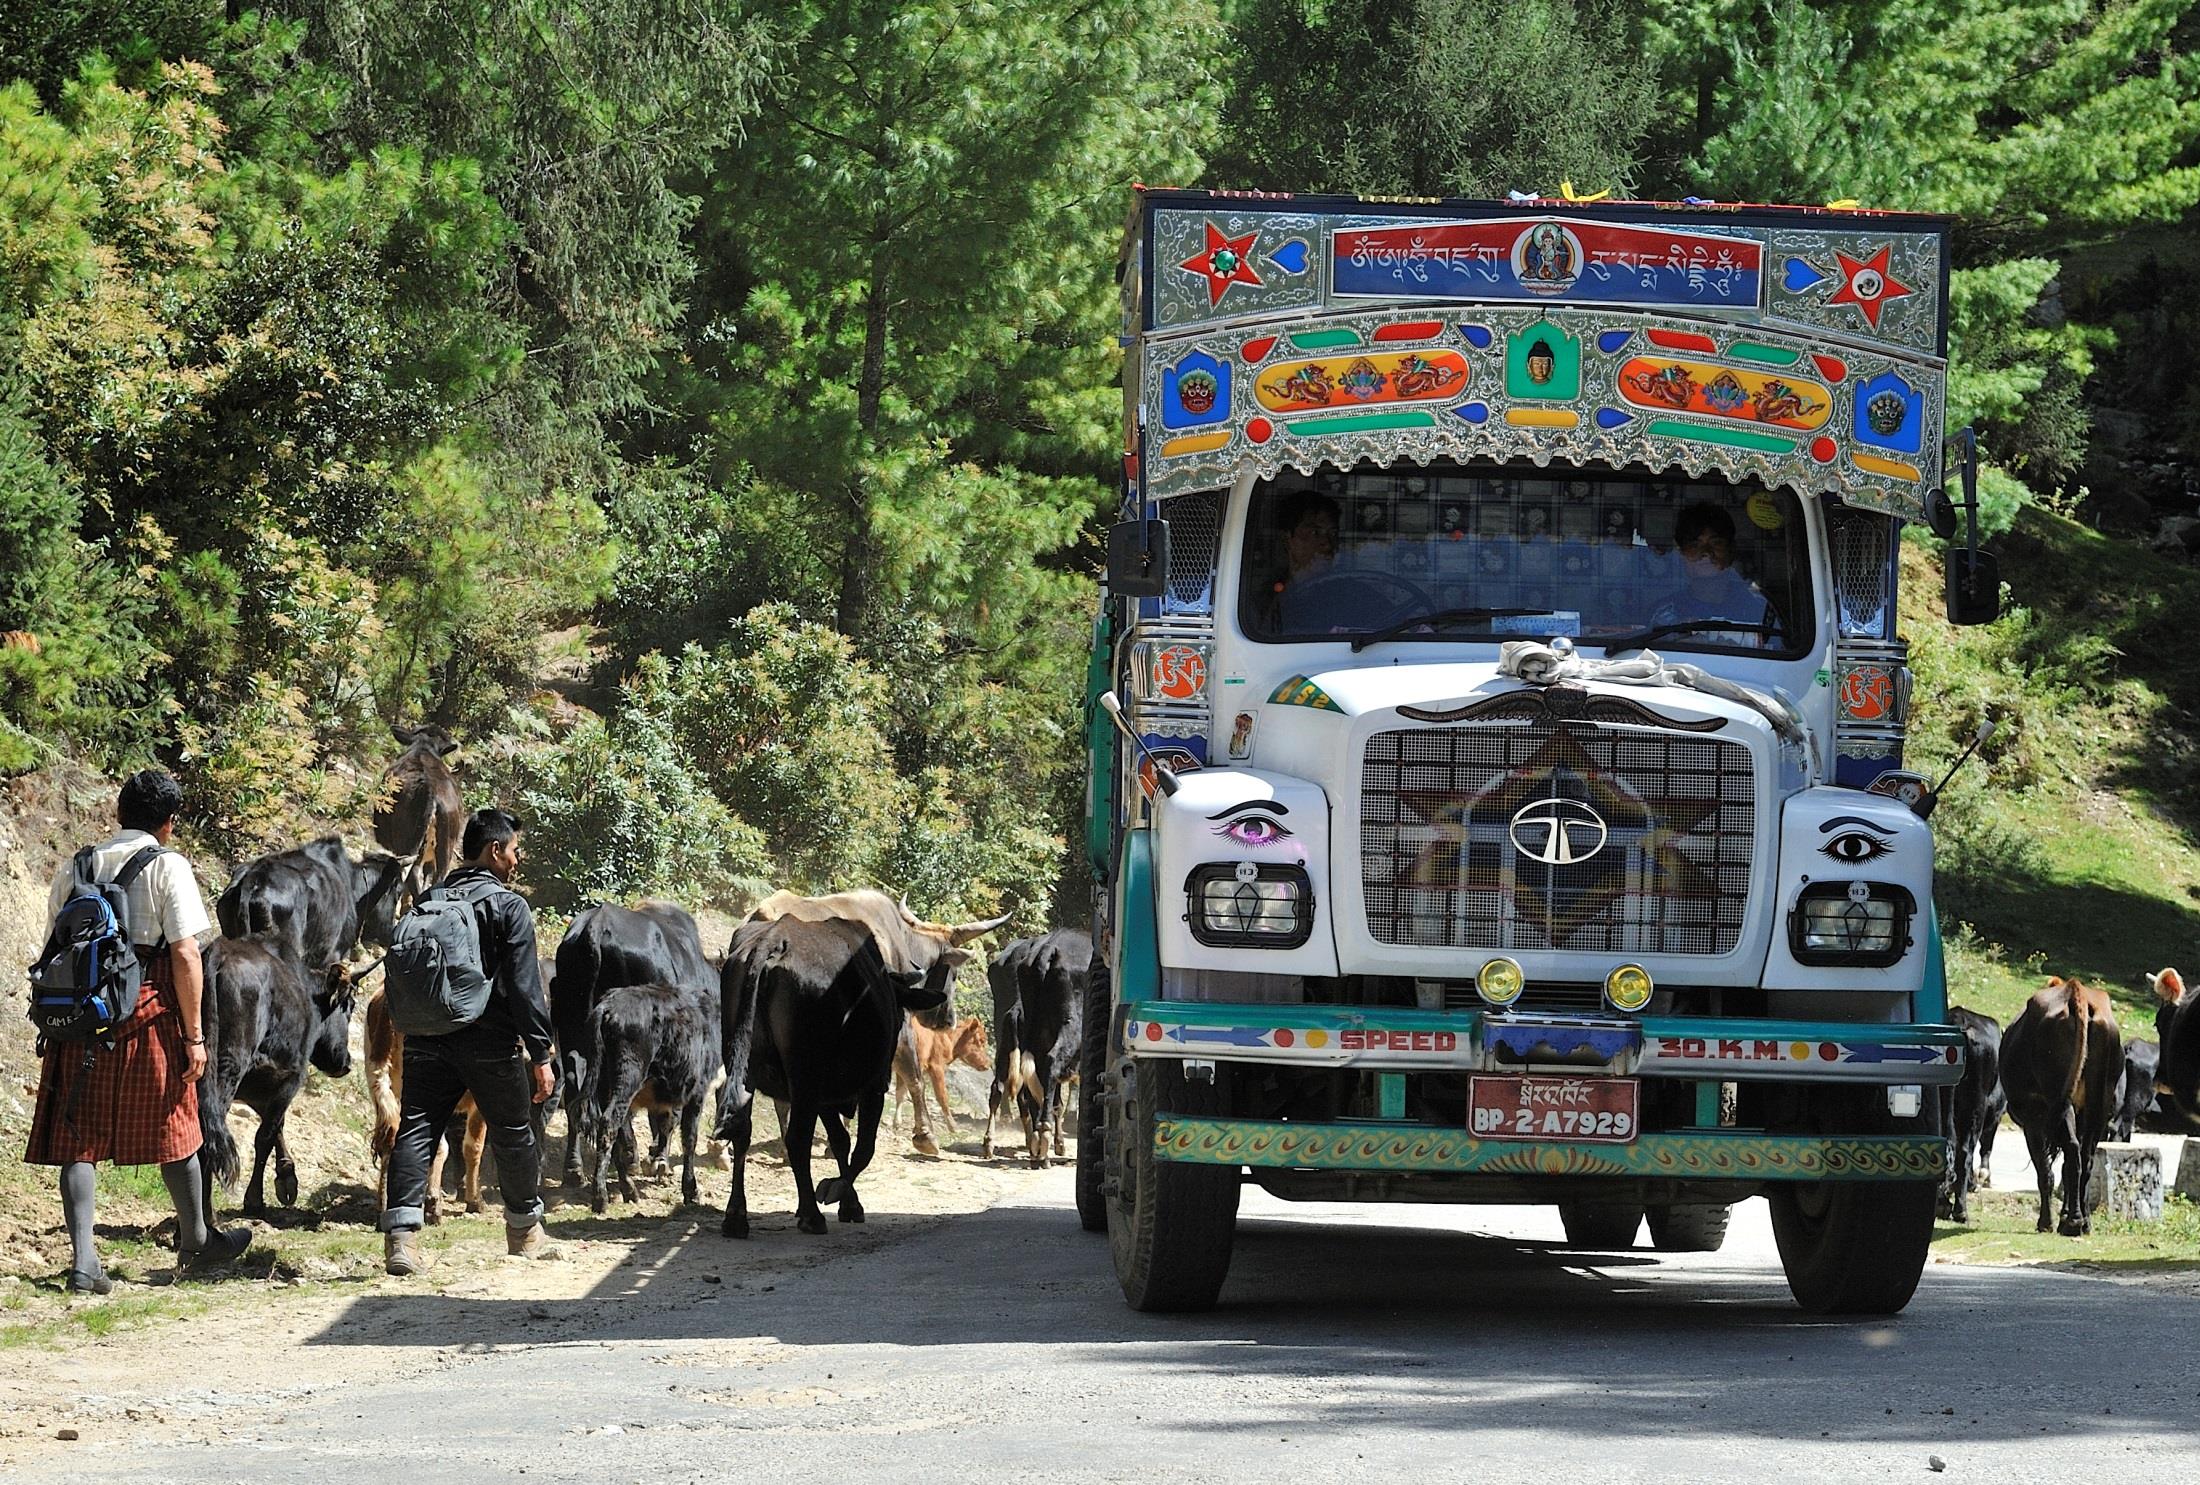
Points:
(1138, 559)
(1974, 586)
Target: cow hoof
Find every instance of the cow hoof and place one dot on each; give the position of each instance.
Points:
(924, 1144)
(851, 1211)
(813, 1224)
(477, 1205)
(690, 1196)
(831, 1189)
(597, 1205)
(734, 1227)
(2074, 1229)
(2044, 1226)
(286, 1187)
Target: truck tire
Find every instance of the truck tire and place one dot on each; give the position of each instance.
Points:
(1170, 1226)
(1689, 1227)
(1853, 1247)
(1092, 1064)
(1597, 1224)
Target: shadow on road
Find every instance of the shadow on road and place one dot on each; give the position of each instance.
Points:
(1412, 1327)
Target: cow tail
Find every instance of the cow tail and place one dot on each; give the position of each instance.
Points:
(2081, 1011)
(225, 1070)
(747, 975)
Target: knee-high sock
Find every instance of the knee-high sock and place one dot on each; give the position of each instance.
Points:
(189, 1194)
(77, 1181)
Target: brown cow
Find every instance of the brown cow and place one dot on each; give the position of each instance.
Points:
(421, 812)
(386, 1093)
(2060, 1060)
(922, 1058)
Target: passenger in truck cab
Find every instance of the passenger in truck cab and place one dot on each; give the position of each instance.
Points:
(1296, 602)
(1709, 585)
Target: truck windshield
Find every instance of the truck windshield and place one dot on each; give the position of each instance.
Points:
(1460, 552)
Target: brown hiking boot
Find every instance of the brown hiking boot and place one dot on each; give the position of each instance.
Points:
(401, 1255)
(530, 1242)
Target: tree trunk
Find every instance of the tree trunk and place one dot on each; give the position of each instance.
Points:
(855, 553)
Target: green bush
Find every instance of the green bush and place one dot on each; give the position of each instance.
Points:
(615, 810)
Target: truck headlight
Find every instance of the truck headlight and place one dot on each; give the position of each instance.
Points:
(1237, 904)
(1866, 924)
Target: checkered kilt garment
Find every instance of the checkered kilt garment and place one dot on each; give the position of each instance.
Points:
(134, 1107)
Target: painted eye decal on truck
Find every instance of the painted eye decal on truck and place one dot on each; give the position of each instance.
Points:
(1249, 823)
(1854, 847)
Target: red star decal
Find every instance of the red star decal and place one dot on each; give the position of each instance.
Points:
(1227, 261)
(1867, 284)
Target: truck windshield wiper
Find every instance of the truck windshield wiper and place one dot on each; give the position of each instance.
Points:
(1442, 616)
(1642, 637)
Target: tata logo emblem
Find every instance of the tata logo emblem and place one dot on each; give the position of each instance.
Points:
(1558, 832)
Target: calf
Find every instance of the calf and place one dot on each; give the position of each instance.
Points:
(2060, 1060)
(811, 1014)
(605, 947)
(1039, 1008)
(419, 814)
(2135, 1089)
(263, 1029)
(922, 1057)
(1971, 1111)
(657, 1048)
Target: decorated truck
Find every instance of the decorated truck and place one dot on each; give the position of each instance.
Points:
(1497, 787)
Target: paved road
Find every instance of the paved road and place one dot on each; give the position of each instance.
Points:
(1354, 1344)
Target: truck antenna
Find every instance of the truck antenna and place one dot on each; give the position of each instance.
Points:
(1163, 775)
(1925, 806)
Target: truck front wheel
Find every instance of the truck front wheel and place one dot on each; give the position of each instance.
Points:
(1688, 1227)
(1170, 1225)
(1853, 1247)
(1092, 1066)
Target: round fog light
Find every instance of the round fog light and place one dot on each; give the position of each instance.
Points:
(1500, 982)
(1628, 987)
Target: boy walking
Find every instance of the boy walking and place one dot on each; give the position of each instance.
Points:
(132, 1096)
(502, 1057)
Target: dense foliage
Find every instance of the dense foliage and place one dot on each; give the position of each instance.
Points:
(705, 407)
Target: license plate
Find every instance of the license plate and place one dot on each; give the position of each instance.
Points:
(1593, 1110)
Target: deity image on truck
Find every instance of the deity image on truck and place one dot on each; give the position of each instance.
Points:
(1509, 593)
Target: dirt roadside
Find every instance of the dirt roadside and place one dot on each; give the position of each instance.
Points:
(223, 1360)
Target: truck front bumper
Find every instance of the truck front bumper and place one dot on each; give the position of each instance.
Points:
(1684, 1047)
(1422, 1148)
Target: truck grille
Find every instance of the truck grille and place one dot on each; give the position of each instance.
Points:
(1460, 848)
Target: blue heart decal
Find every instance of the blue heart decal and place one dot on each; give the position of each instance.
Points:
(1291, 257)
(1800, 276)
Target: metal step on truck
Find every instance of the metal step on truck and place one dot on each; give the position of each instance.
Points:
(1496, 786)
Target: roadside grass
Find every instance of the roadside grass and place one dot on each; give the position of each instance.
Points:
(2001, 1230)
(2068, 846)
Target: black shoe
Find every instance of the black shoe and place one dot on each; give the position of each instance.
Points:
(83, 1283)
(221, 1247)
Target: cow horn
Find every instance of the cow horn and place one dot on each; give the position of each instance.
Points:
(963, 933)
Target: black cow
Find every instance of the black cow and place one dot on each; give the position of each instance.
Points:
(2060, 1062)
(606, 947)
(811, 1014)
(1971, 1111)
(1038, 1025)
(2135, 1090)
(263, 1029)
(315, 903)
(657, 1047)
(2177, 1075)
(421, 814)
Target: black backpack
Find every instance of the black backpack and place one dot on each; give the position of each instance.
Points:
(433, 976)
(86, 982)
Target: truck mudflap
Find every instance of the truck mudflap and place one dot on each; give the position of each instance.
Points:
(1405, 1040)
(1684, 1155)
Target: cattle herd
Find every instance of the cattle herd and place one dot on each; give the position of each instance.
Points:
(822, 1004)
(2064, 1073)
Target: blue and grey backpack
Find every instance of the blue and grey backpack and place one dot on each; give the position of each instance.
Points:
(86, 982)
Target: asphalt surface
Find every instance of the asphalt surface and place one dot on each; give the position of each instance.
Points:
(1353, 1343)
